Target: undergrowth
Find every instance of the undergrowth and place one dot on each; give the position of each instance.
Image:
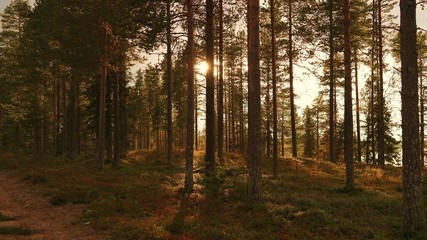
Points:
(143, 198)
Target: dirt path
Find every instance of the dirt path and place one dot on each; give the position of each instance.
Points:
(20, 201)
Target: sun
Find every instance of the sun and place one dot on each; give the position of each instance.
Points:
(202, 67)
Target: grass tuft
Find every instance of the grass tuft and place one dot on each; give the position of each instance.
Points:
(13, 230)
(4, 218)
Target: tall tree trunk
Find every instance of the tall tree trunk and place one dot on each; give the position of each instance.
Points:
(109, 120)
(233, 110)
(283, 135)
(45, 133)
(356, 71)
(331, 86)
(381, 159)
(412, 176)
(348, 101)
(317, 132)
(273, 63)
(254, 103)
(72, 151)
(64, 117)
(291, 85)
(229, 110)
(116, 120)
(102, 92)
(422, 153)
(373, 85)
(220, 99)
(123, 125)
(210, 90)
(55, 115)
(169, 80)
(242, 121)
(190, 101)
(267, 101)
(196, 105)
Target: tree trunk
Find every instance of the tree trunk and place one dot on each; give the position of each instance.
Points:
(102, 92)
(412, 176)
(291, 85)
(421, 112)
(196, 98)
(348, 101)
(254, 103)
(242, 121)
(331, 86)
(64, 117)
(72, 151)
(372, 86)
(356, 71)
(381, 159)
(267, 103)
(210, 90)
(116, 121)
(123, 125)
(190, 101)
(220, 100)
(55, 115)
(169, 80)
(109, 120)
(283, 135)
(273, 63)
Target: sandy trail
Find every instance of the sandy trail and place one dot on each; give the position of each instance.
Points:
(19, 200)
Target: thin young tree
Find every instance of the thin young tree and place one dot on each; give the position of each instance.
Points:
(412, 176)
(254, 103)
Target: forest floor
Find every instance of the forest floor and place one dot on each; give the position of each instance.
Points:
(54, 198)
(24, 214)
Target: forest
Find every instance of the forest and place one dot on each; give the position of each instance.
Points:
(191, 119)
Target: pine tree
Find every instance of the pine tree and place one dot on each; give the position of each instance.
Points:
(412, 177)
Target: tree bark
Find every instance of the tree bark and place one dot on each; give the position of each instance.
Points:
(267, 103)
(348, 101)
(169, 80)
(291, 84)
(331, 86)
(109, 120)
(220, 100)
(254, 103)
(381, 159)
(359, 144)
(412, 176)
(116, 120)
(190, 101)
(372, 110)
(422, 153)
(102, 92)
(210, 90)
(273, 63)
